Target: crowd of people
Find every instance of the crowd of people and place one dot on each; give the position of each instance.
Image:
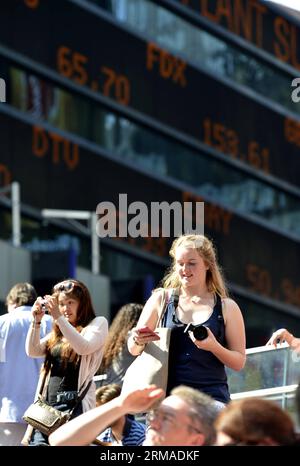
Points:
(58, 344)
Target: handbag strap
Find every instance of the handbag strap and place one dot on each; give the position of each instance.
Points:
(84, 392)
(81, 396)
(163, 306)
(164, 300)
(176, 298)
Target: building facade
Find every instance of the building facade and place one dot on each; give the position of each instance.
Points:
(164, 101)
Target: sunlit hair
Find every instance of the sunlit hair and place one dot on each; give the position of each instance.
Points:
(125, 319)
(255, 421)
(74, 289)
(107, 393)
(204, 247)
(201, 410)
(21, 294)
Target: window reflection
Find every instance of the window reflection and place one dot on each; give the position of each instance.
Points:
(202, 48)
(155, 153)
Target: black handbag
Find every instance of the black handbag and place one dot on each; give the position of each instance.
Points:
(46, 418)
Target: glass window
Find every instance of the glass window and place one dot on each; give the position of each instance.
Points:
(259, 329)
(156, 153)
(203, 48)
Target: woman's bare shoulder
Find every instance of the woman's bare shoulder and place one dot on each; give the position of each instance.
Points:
(229, 306)
(161, 293)
(229, 302)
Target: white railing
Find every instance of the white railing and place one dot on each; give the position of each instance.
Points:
(14, 191)
(269, 372)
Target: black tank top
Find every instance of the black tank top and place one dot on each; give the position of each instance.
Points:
(63, 376)
(191, 366)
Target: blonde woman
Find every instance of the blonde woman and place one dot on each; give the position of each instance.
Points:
(196, 294)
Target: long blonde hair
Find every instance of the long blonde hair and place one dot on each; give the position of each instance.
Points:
(214, 279)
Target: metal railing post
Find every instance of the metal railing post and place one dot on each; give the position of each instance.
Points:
(16, 213)
(91, 218)
(95, 244)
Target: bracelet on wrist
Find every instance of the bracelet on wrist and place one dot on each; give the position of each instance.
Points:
(136, 343)
(36, 324)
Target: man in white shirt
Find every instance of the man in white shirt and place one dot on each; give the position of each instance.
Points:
(18, 373)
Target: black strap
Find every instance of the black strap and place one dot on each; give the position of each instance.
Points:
(218, 307)
(81, 396)
(84, 392)
(175, 301)
(175, 298)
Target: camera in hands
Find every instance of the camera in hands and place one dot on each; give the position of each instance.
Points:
(199, 331)
(44, 304)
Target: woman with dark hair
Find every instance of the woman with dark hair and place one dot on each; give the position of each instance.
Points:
(73, 349)
(116, 357)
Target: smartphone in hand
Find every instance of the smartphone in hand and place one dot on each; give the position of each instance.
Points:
(151, 332)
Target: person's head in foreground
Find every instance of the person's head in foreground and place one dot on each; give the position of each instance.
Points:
(107, 393)
(254, 421)
(184, 418)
